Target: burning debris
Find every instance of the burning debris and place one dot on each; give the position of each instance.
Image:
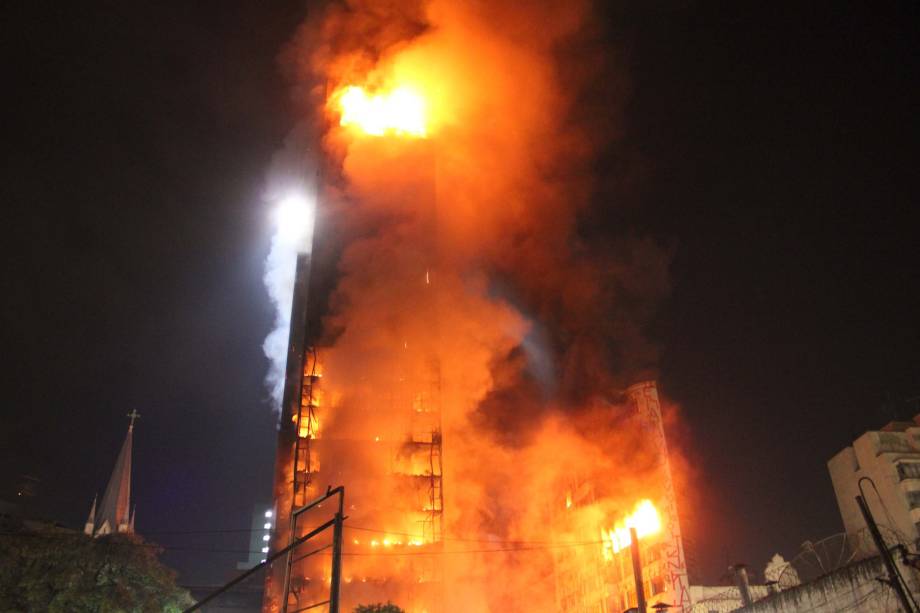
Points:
(462, 380)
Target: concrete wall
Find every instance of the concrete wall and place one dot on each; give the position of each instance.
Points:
(721, 598)
(854, 588)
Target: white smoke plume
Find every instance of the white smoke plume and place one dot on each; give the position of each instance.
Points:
(293, 204)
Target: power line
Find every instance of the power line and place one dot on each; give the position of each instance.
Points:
(449, 552)
(126, 544)
(390, 532)
(517, 546)
(472, 540)
(226, 531)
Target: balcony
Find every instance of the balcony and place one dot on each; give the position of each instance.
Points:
(908, 470)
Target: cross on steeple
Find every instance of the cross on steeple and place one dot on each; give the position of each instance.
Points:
(133, 415)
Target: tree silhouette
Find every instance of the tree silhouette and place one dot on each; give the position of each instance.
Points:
(68, 572)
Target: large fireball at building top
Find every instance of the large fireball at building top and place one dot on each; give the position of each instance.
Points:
(460, 358)
(401, 111)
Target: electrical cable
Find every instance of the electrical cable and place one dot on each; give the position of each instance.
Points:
(891, 524)
(221, 531)
(536, 547)
(470, 540)
(126, 544)
(897, 571)
(380, 531)
(449, 552)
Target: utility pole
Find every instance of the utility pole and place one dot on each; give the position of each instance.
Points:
(637, 570)
(337, 555)
(744, 584)
(894, 576)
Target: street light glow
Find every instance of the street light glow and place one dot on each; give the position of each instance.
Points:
(294, 218)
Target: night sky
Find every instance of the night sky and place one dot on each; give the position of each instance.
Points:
(772, 149)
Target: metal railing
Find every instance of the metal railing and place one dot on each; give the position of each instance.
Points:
(336, 523)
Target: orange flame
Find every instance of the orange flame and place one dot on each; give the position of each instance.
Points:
(401, 111)
(645, 519)
(309, 426)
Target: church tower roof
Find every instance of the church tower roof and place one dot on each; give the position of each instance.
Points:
(114, 514)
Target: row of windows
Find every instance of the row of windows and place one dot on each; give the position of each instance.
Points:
(893, 442)
(909, 470)
(913, 499)
(628, 596)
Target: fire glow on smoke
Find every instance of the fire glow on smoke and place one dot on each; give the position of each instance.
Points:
(432, 253)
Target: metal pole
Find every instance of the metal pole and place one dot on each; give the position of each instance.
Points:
(893, 575)
(744, 584)
(289, 561)
(637, 570)
(337, 555)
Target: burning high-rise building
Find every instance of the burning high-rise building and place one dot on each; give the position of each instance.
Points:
(452, 343)
(375, 425)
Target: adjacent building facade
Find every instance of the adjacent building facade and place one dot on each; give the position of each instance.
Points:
(261, 528)
(890, 457)
(602, 579)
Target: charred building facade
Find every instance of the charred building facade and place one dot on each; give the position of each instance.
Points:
(437, 511)
(374, 427)
(445, 267)
(603, 578)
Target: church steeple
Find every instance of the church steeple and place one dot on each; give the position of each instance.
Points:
(90, 525)
(115, 513)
